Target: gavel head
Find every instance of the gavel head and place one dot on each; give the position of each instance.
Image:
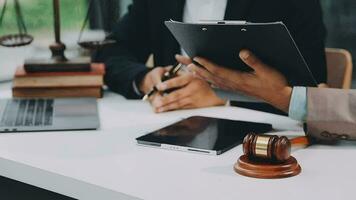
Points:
(269, 147)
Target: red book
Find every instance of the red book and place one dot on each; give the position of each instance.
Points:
(57, 92)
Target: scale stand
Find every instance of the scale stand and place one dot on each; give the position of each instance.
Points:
(58, 62)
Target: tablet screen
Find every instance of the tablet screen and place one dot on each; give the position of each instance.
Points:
(204, 133)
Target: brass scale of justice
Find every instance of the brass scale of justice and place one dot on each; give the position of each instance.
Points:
(265, 156)
(58, 61)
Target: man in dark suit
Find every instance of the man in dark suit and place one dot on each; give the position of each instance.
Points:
(141, 32)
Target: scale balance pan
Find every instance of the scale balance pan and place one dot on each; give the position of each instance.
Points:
(94, 45)
(15, 40)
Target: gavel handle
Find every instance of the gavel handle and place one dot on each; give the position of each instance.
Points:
(300, 141)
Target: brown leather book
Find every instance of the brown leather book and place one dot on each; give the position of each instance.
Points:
(93, 78)
(57, 92)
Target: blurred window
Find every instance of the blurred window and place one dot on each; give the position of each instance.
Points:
(38, 16)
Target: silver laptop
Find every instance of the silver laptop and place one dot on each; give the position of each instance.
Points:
(20, 115)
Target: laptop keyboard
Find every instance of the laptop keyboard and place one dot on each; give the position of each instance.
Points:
(28, 112)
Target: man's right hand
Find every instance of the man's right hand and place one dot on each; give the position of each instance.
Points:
(190, 92)
(152, 78)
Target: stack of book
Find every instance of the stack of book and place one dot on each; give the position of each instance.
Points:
(59, 84)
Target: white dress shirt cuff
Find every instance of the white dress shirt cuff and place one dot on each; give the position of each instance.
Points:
(298, 104)
(135, 88)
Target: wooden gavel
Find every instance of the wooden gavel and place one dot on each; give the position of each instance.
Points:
(270, 147)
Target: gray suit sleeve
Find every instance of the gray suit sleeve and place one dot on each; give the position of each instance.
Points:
(331, 114)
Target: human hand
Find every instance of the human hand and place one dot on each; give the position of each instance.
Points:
(152, 78)
(323, 85)
(191, 92)
(264, 82)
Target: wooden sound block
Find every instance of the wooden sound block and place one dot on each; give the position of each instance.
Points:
(266, 169)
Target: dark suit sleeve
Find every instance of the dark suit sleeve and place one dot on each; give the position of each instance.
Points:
(309, 34)
(125, 60)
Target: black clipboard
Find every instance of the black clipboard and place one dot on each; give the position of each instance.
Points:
(221, 42)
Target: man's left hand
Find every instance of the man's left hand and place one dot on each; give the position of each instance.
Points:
(263, 82)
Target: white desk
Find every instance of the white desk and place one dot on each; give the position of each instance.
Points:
(107, 164)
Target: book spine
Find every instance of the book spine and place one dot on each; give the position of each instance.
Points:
(65, 81)
(57, 92)
(53, 67)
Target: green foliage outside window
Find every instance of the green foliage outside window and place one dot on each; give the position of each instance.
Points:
(38, 15)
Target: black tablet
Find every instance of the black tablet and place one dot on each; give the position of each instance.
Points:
(202, 135)
(221, 42)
